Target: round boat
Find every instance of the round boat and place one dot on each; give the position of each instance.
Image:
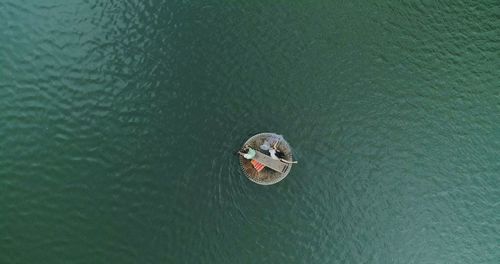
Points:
(267, 176)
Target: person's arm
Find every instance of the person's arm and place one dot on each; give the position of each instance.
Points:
(275, 147)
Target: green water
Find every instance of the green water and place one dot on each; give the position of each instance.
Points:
(119, 121)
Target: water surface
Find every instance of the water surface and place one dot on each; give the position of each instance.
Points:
(120, 118)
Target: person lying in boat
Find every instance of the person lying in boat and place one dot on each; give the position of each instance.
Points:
(276, 154)
(248, 153)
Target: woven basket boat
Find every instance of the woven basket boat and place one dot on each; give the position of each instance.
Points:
(267, 176)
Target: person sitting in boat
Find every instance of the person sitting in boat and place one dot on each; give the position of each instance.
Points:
(247, 152)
